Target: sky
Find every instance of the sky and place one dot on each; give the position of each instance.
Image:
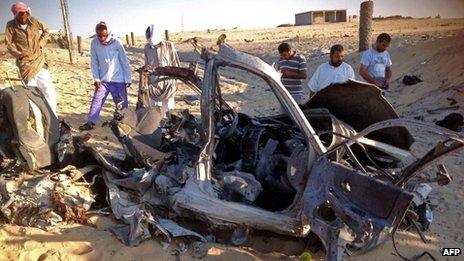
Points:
(134, 16)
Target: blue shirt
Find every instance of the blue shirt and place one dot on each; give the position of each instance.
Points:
(109, 62)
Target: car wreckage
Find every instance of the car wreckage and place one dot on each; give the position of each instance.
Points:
(339, 166)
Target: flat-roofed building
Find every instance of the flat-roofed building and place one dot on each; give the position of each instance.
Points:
(321, 16)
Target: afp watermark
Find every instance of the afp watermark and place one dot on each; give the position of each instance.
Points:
(448, 251)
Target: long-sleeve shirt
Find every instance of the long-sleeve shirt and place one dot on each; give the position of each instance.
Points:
(28, 41)
(109, 62)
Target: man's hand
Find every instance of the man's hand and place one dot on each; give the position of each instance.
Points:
(284, 73)
(292, 74)
(97, 84)
(24, 54)
(377, 83)
(386, 86)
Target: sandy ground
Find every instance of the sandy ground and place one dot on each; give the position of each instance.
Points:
(430, 48)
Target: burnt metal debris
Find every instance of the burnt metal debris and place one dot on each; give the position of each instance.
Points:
(340, 166)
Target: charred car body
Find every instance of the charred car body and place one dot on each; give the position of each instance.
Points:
(339, 166)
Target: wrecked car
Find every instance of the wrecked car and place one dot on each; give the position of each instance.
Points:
(338, 166)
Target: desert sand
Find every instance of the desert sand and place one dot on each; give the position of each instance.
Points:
(433, 49)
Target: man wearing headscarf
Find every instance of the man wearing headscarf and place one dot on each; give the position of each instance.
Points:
(159, 52)
(110, 70)
(25, 38)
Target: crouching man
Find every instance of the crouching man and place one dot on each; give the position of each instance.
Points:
(110, 70)
(25, 38)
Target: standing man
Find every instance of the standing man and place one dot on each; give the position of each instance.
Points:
(333, 71)
(25, 38)
(293, 69)
(376, 63)
(110, 70)
(158, 53)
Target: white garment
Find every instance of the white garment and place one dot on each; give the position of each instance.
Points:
(166, 105)
(153, 35)
(327, 74)
(23, 26)
(43, 81)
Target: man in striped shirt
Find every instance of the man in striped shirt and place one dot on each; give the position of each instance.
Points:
(293, 69)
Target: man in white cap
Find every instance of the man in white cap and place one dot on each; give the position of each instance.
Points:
(158, 53)
(25, 38)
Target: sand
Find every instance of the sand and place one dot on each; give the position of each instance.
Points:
(430, 48)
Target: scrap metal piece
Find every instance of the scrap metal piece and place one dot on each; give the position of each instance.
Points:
(102, 161)
(40, 201)
(456, 138)
(221, 39)
(443, 178)
(65, 148)
(192, 198)
(344, 190)
(133, 214)
(241, 183)
(139, 133)
(143, 99)
(239, 235)
(443, 109)
(440, 150)
(135, 232)
(249, 148)
(177, 231)
(297, 167)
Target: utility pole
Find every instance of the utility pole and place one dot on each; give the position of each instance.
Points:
(64, 10)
